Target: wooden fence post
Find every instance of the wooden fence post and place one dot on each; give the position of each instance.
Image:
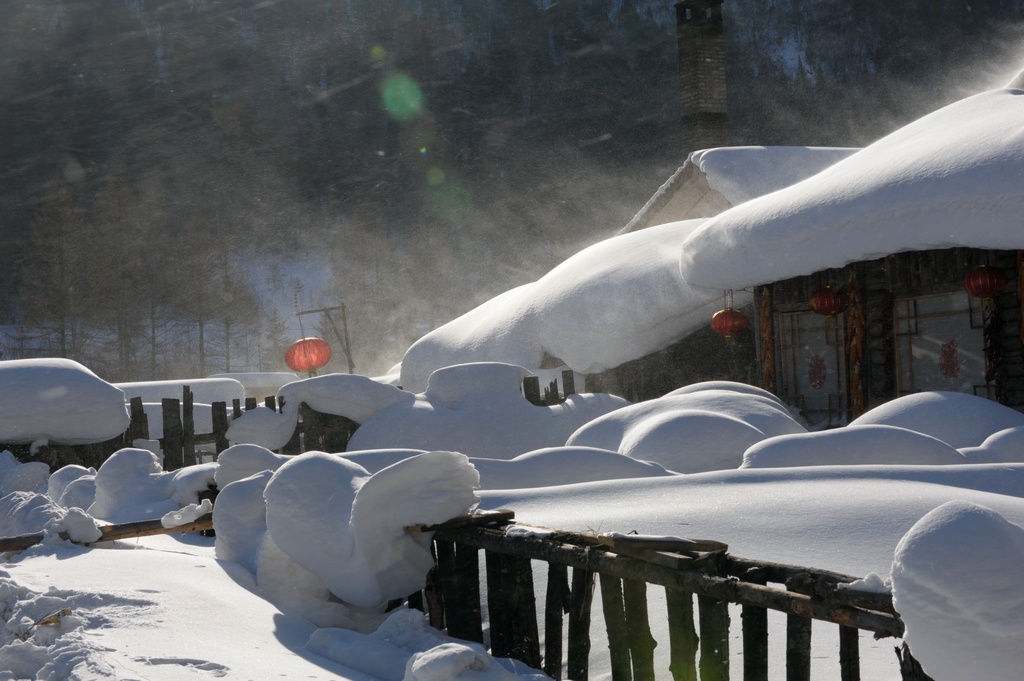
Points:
(556, 604)
(531, 390)
(714, 638)
(526, 646)
(615, 623)
(219, 415)
(499, 605)
(798, 648)
(638, 628)
(849, 653)
(581, 597)
(683, 641)
(188, 428)
(138, 427)
(755, 636)
(568, 383)
(459, 581)
(171, 442)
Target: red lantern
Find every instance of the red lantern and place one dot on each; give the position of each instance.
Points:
(728, 322)
(829, 302)
(308, 354)
(985, 282)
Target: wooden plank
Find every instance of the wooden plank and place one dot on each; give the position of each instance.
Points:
(615, 624)
(798, 648)
(138, 427)
(459, 583)
(141, 528)
(638, 629)
(531, 390)
(526, 646)
(683, 641)
(568, 383)
(714, 638)
(188, 428)
(556, 603)
(219, 415)
(499, 608)
(581, 597)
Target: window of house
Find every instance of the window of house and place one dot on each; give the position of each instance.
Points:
(940, 344)
(812, 374)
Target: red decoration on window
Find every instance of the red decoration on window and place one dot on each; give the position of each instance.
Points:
(829, 302)
(949, 360)
(308, 355)
(816, 372)
(985, 282)
(729, 322)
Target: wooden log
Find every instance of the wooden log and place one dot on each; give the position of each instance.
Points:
(682, 636)
(524, 612)
(188, 428)
(755, 638)
(724, 588)
(849, 654)
(615, 624)
(498, 605)
(141, 528)
(713, 615)
(219, 415)
(638, 629)
(581, 597)
(171, 442)
(556, 604)
(798, 648)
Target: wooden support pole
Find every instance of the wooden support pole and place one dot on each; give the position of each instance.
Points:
(682, 635)
(219, 415)
(714, 638)
(188, 428)
(581, 597)
(556, 603)
(798, 648)
(615, 623)
(849, 654)
(171, 442)
(755, 637)
(638, 629)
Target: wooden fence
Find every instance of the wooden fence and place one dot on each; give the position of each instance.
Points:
(625, 565)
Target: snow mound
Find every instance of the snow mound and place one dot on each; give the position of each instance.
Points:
(1006, 446)
(479, 409)
(562, 466)
(57, 401)
(852, 446)
(58, 482)
(241, 461)
(566, 314)
(348, 527)
(911, 190)
(204, 390)
(689, 432)
(956, 584)
(16, 476)
(958, 419)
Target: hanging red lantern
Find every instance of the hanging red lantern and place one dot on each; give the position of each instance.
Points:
(729, 322)
(308, 355)
(985, 282)
(829, 302)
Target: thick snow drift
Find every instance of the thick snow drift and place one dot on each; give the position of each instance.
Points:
(57, 401)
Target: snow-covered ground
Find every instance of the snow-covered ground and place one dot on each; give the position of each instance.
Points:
(924, 495)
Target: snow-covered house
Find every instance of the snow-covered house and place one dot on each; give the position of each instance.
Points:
(889, 240)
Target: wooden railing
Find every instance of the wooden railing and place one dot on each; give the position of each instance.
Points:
(625, 565)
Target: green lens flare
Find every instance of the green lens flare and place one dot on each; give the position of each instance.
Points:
(402, 97)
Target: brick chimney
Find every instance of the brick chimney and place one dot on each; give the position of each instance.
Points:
(701, 40)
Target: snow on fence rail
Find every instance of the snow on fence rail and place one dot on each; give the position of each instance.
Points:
(625, 565)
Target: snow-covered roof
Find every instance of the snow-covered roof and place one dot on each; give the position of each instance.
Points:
(952, 178)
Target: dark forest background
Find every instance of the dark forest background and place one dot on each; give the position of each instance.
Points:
(176, 177)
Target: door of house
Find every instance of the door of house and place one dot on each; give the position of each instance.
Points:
(812, 361)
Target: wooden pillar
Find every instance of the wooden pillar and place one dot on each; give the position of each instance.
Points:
(682, 635)
(581, 597)
(171, 442)
(849, 654)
